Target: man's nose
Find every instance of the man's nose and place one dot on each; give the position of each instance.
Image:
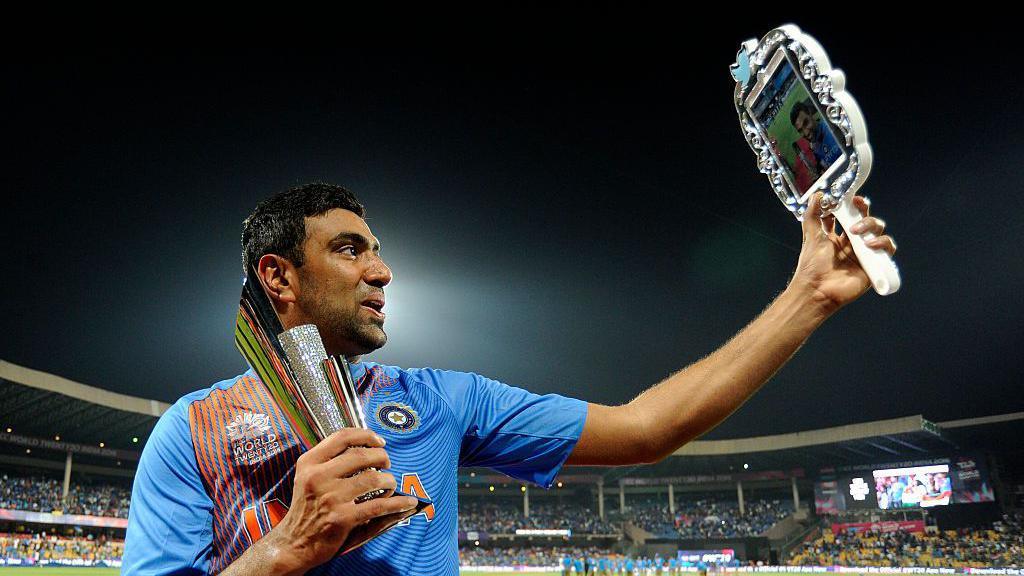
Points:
(377, 273)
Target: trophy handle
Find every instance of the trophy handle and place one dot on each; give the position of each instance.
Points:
(879, 266)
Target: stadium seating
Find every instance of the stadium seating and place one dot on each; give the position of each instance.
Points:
(1001, 545)
(496, 518)
(39, 494)
(34, 548)
(705, 518)
(693, 519)
(534, 556)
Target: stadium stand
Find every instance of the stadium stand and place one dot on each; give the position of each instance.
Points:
(533, 556)
(39, 494)
(505, 519)
(752, 494)
(999, 545)
(40, 548)
(708, 518)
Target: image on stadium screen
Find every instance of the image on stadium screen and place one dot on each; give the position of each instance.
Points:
(919, 487)
(799, 134)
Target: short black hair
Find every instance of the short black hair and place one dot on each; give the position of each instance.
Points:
(801, 106)
(278, 224)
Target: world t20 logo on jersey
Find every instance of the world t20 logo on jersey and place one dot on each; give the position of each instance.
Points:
(252, 439)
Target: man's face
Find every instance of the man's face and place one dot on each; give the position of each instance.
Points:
(342, 283)
(805, 125)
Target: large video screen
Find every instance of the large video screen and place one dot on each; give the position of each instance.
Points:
(915, 485)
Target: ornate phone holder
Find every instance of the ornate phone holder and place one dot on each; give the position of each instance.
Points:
(808, 134)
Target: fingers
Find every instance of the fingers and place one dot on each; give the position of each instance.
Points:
(872, 228)
(365, 482)
(812, 227)
(384, 506)
(355, 459)
(884, 242)
(869, 225)
(341, 441)
(863, 204)
(829, 224)
(376, 524)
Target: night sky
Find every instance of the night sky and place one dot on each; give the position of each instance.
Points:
(568, 207)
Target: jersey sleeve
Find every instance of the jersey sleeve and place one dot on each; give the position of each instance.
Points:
(524, 435)
(170, 528)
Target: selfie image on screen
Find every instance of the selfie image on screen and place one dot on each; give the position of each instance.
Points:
(918, 487)
(798, 133)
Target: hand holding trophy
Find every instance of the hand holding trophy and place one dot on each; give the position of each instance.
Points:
(808, 135)
(315, 391)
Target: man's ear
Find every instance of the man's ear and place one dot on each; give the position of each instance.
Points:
(279, 278)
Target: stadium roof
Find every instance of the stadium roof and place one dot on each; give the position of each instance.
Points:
(45, 406)
(41, 405)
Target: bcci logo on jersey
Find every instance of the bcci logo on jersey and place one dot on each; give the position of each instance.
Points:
(398, 417)
(252, 440)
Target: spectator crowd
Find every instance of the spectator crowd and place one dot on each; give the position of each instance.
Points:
(697, 519)
(533, 556)
(39, 494)
(43, 548)
(1000, 546)
(701, 519)
(498, 518)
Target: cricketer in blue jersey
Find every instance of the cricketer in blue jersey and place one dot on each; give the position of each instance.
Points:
(224, 486)
(816, 135)
(433, 422)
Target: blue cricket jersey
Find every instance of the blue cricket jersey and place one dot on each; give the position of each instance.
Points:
(217, 471)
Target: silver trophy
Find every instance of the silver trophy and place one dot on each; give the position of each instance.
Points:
(808, 134)
(314, 390)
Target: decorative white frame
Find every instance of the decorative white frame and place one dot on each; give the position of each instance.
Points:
(755, 62)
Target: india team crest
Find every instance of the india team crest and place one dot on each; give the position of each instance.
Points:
(398, 417)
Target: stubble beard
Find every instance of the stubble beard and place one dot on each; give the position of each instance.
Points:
(343, 331)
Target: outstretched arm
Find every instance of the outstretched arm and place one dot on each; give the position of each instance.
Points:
(697, 398)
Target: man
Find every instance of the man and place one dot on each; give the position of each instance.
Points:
(223, 485)
(817, 147)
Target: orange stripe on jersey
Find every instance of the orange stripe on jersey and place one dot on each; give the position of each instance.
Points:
(246, 455)
(283, 467)
(197, 445)
(232, 401)
(271, 469)
(275, 511)
(203, 443)
(252, 524)
(209, 420)
(233, 495)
